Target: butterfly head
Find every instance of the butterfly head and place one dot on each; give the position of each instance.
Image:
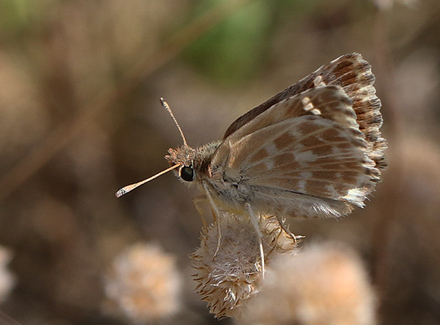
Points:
(183, 156)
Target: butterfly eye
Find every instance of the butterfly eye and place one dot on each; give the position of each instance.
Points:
(187, 173)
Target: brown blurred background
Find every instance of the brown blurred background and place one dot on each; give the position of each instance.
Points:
(80, 117)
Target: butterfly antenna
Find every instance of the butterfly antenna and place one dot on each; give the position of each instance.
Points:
(131, 187)
(167, 107)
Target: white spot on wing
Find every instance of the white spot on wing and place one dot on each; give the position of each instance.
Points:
(269, 164)
(355, 196)
(331, 189)
(271, 148)
(302, 185)
(305, 175)
(306, 156)
(305, 101)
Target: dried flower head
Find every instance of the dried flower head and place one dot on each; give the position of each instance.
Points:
(234, 274)
(324, 284)
(143, 284)
(7, 279)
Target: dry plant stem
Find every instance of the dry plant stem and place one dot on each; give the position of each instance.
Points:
(385, 224)
(7, 320)
(67, 131)
(406, 42)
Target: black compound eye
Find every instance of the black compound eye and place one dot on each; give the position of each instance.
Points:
(187, 174)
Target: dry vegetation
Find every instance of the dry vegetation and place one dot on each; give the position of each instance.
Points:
(80, 116)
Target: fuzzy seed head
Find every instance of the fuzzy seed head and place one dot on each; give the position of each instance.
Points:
(143, 284)
(230, 278)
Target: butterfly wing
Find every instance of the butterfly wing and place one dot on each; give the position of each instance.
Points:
(304, 156)
(354, 75)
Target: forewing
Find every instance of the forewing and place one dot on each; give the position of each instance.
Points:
(354, 75)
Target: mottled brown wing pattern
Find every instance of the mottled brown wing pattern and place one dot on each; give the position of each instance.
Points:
(354, 75)
(304, 156)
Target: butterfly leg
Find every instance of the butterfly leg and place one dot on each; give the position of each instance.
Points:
(255, 223)
(197, 201)
(216, 214)
(296, 238)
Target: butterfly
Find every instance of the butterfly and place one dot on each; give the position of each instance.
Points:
(313, 150)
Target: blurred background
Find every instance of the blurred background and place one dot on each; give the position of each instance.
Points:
(80, 117)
